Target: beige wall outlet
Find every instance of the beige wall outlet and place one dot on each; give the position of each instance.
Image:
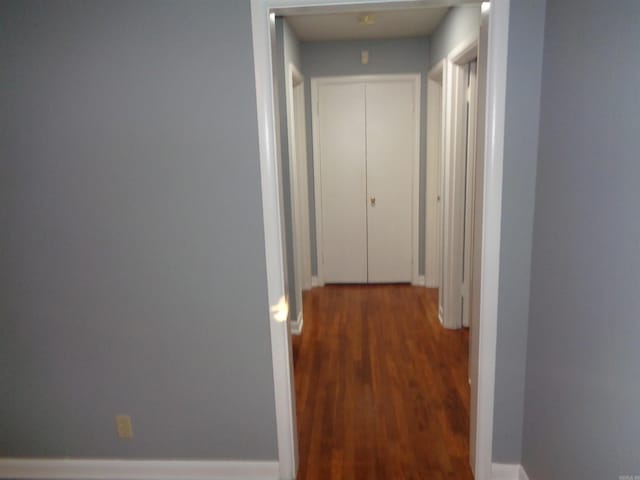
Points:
(124, 429)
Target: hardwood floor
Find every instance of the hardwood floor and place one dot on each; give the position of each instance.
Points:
(382, 389)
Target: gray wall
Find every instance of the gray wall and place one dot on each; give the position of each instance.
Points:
(287, 52)
(459, 25)
(132, 269)
(526, 38)
(322, 59)
(583, 360)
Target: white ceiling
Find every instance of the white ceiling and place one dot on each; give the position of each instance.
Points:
(415, 22)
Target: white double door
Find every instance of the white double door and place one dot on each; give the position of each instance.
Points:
(366, 146)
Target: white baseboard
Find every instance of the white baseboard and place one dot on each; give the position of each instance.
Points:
(420, 281)
(316, 282)
(107, 469)
(430, 282)
(508, 471)
(296, 326)
(90, 469)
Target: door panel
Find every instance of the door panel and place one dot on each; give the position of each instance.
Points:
(390, 144)
(467, 265)
(341, 121)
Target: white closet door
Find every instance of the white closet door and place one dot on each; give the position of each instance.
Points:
(341, 122)
(390, 143)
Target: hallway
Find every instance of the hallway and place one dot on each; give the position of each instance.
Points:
(381, 387)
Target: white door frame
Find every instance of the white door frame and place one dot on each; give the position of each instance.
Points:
(263, 19)
(433, 180)
(316, 83)
(455, 150)
(478, 202)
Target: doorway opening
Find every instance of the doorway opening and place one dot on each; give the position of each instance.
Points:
(368, 162)
(274, 233)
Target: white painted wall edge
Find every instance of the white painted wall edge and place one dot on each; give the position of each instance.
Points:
(296, 326)
(508, 471)
(316, 282)
(419, 281)
(113, 469)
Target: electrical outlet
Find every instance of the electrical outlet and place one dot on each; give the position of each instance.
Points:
(124, 429)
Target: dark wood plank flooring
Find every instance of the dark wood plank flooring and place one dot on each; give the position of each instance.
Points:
(381, 387)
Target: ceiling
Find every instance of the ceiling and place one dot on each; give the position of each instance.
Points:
(415, 22)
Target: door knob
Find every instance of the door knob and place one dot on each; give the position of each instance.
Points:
(373, 201)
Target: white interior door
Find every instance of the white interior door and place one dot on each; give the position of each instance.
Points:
(342, 152)
(467, 265)
(390, 137)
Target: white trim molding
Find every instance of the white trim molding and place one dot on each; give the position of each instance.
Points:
(491, 223)
(296, 325)
(508, 471)
(316, 282)
(263, 17)
(113, 469)
(263, 30)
